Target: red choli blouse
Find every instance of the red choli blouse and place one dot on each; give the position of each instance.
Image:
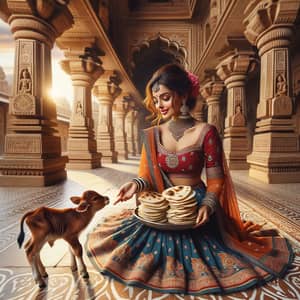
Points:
(190, 161)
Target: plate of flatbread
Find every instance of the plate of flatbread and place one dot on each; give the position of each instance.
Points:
(163, 226)
(174, 209)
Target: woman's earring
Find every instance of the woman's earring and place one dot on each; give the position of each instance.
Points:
(184, 111)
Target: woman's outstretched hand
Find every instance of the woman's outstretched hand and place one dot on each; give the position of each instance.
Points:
(126, 191)
(203, 215)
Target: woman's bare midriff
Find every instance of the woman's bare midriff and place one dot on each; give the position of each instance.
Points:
(194, 181)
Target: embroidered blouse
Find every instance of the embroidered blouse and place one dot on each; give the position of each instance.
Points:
(189, 162)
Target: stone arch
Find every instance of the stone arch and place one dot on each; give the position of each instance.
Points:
(172, 47)
(149, 55)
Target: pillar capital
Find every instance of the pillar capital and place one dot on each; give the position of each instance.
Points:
(211, 90)
(234, 67)
(121, 104)
(269, 21)
(37, 20)
(84, 65)
(107, 86)
(212, 87)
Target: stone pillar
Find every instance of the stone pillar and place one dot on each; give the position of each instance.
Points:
(275, 157)
(32, 151)
(136, 132)
(120, 108)
(106, 89)
(84, 66)
(197, 111)
(234, 69)
(211, 91)
(129, 125)
(3, 82)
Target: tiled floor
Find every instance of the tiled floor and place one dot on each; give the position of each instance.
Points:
(278, 205)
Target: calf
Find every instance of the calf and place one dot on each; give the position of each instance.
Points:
(48, 224)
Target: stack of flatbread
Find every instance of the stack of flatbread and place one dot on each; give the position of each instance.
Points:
(153, 207)
(183, 205)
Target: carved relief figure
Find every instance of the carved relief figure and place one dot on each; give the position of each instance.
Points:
(281, 86)
(25, 83)
(238, 118)
(79, 110)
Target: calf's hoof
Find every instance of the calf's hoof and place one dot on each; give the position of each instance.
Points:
(45, 275)
(85, 275)
(74, 269)
(42, 284)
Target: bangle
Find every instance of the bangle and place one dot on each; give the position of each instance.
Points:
(211, 201)
(141, 183)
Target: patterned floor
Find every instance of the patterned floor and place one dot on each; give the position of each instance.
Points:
(275, 205)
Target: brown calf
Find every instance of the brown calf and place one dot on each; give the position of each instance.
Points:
(48, 224)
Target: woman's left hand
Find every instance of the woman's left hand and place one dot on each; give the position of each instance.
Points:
(203, 215)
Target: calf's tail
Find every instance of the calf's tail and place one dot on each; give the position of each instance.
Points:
(22, 233)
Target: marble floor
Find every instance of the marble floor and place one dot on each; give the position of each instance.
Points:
(275, 205)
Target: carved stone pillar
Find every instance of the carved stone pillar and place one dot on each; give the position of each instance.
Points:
(234, 69)
(197, 111)
(275, 157)
(3, 82)
(136, 131)
(129, 125)
(120, 108)
(32, 151)
(106, 90)
(84, 68)
(211, 91)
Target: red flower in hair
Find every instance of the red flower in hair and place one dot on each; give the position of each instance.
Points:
(194, 92)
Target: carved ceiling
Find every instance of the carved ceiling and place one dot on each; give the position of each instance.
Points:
(161, 9)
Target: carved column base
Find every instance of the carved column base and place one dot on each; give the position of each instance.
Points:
(83, 154)
(32, 160)
(236, 147)
(109, 156)
(105, 146)
(121, 149)
(269, 163)
(32, 171)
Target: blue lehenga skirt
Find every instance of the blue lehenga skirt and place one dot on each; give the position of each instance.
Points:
(194, 261)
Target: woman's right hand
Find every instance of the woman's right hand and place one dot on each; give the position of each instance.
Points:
(126, 191)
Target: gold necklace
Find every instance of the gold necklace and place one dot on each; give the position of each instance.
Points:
(178, 126)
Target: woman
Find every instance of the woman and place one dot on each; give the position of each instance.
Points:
(218, 255)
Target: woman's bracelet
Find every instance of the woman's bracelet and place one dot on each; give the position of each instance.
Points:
(141, 183)
(211, 201)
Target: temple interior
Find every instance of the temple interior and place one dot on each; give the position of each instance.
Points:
(246, 56)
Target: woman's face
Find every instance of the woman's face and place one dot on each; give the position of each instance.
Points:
(163, 100)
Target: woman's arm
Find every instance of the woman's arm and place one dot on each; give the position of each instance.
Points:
(136, 185)
(212, 148)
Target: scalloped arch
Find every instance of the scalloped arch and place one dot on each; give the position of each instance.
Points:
(171, 47)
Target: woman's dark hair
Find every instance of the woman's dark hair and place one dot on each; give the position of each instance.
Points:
(176, 79)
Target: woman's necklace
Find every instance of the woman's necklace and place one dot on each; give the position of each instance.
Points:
(178, 126)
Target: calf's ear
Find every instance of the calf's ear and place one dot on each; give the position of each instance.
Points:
(75, 199)
(82, 207)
